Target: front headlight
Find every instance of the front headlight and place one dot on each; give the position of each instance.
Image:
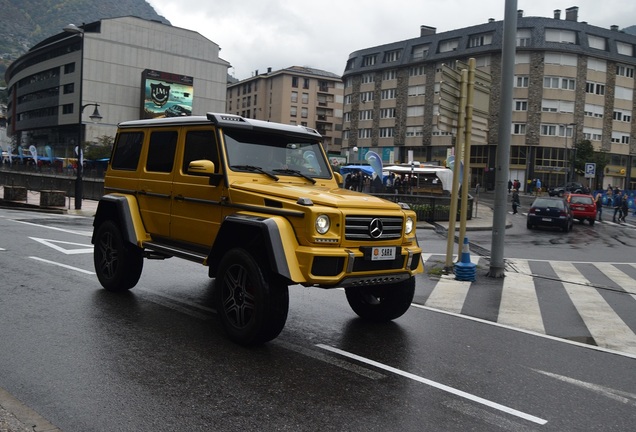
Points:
(409, 225)
(322, 224)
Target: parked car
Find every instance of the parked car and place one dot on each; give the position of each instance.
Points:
(553, 211)
(573, 187)
(583, 207)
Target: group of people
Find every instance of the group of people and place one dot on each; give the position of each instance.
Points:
(619, 202)
(392, 183)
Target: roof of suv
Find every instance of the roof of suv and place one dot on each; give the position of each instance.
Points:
(227, 121)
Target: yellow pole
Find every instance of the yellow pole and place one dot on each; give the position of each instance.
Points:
(469, 77)
(452, 218)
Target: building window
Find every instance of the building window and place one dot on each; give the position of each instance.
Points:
(388, 94)
(387, 113)
(366, 96)
(479, 154)
(521, 105)
(622, 116)
(415, 111)
(597, 65)
(69, 88)
(346, 116)
(305, 98)
(626, 71)
(522, 58)
(523, 37)
(390, 74)
(482, 61)
(420, 52)
(368, 78)
(392, 56)
(597, 42)
(623, 93)
(69, 68)
(416, 71)
(551, 105)
(386, 132)
(365, 133)
(304, 112)
(559, 35)
(517, 155)
(365, 115)
(560, 59)
(593, 111)
(448, 45)
(518, 128)
(620, 138)
(67, 109)
(592, 134)
(521, 81)
(294, 97)
(368, 60)
(417, 90)
(548, 130)
(347, 99)
(293, 111)
(414, 131)
(479, 40)
(559, 82)
(295, 82)
(594, 88)
(625, 48)
(348, 82)
(305, 83)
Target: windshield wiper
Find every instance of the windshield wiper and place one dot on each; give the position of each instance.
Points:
(294, 172)
(255, 168)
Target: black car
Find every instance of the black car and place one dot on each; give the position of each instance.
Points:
(572, 187)
(555, 212)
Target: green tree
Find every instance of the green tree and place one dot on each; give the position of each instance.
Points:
(100, 149)
(584, 153)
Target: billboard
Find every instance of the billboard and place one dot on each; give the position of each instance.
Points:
(165, 94)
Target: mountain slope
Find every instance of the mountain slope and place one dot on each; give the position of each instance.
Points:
(23, 23)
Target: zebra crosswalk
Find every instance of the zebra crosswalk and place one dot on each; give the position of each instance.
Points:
(593, 303)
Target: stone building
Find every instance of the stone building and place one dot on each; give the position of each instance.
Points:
(573, 81)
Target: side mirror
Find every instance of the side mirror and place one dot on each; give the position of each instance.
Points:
(339, 178)
(201, 167)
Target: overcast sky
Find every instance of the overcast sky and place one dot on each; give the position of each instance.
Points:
(257, 34)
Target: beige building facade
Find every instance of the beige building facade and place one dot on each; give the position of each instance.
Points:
(295, 95)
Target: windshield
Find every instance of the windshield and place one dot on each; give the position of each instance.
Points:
(280, 154)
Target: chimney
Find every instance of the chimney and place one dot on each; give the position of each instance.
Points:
(614, 28)
(256, 72)
(269, 70)
(427, 31)
(557, 14)
(572, 14)
(490, 20)
(520, 13)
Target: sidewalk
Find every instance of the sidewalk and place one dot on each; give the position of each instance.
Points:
(89, 207)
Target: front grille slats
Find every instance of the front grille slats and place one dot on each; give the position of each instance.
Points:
(358, 228)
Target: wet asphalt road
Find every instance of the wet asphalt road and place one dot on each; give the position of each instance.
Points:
(155, 359)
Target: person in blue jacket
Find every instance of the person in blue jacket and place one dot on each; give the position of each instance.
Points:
(617, 204)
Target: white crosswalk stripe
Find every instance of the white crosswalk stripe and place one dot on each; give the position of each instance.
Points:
(520, 304)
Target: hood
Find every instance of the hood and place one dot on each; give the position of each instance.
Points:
(320, 195)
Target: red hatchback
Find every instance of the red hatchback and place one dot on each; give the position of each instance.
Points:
(583, 207)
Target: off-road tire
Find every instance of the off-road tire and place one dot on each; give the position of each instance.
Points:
(252, 308)
(382, 303)
(118, 264)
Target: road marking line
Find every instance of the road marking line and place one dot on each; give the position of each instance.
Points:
(52, 244)
(449, 294)
(81, 233)
(436, 385)
(618, 276)
(62, 265)
(519, 304)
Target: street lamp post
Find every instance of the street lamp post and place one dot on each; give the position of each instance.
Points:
(567, 155)
(79, 182)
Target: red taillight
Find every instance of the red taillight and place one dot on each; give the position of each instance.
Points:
(532, 210)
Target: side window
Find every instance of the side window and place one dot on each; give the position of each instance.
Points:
(200, 144)
(161, 150)
(127, 151)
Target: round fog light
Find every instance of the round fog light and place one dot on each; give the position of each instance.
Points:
(322, 224)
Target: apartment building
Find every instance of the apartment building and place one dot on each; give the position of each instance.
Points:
(127, 67)
(573, 81)
(294, 95)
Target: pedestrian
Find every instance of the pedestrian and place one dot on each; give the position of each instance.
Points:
(617, 204)
(624, 207)
(509, 185)
(538, 186)
(599, 206)
(515, 201)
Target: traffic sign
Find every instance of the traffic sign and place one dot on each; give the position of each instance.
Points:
(590, 170)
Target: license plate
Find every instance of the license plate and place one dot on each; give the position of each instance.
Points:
(579, 208)
(382, 253)
(546, 219)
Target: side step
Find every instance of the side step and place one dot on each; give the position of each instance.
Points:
(161, 251)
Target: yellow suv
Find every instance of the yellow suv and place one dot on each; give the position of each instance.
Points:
(258, 204)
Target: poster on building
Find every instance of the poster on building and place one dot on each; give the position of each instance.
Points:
(165, 94)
